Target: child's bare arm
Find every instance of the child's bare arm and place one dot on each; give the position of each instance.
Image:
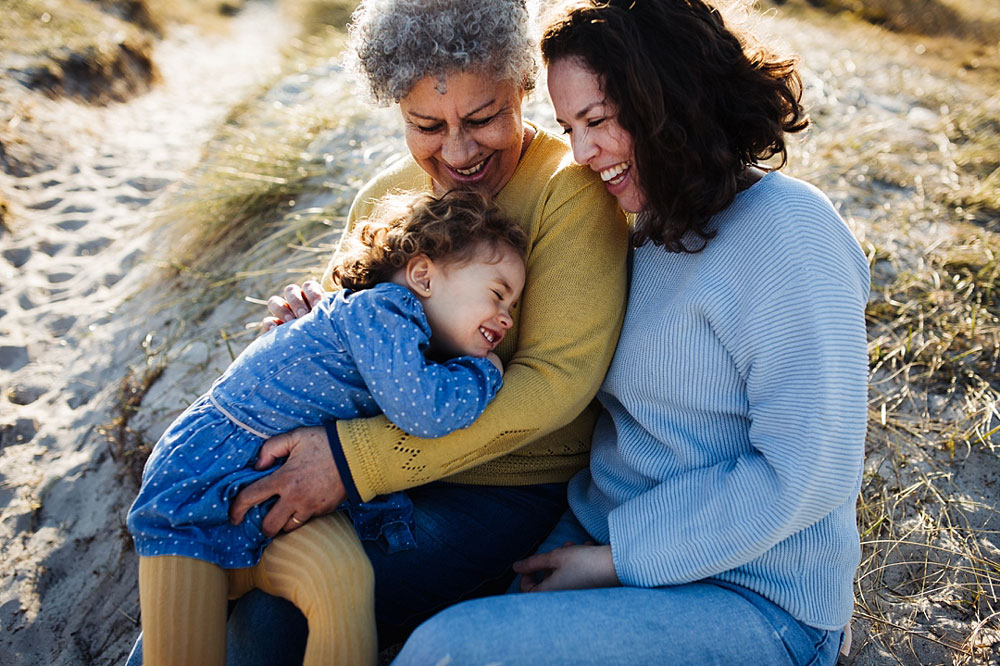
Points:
(495, 360)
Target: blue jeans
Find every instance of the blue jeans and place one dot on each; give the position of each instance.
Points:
(467, 537)
(708, 622)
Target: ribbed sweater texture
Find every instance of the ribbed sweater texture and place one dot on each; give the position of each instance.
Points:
(732, 440)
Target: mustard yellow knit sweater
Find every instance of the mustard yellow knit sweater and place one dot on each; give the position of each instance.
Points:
(538, 428)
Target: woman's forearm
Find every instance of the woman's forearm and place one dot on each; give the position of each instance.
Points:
(568, 324)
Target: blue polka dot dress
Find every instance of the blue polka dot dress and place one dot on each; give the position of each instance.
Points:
(356, 354)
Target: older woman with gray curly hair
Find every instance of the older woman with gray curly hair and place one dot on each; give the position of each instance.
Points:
(480, 498)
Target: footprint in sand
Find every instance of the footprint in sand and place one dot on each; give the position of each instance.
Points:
(79, 392)
(45, 205)
(148, 184)
(24, 394)
(6, 495)
(93, 246)
(111, 279)
(107, 170)
(60, 277)
(132, 202)
(50, 248)
(13, 357)
(17, 256)
(72, 225)
(130, 259)
(20, 431)
(73, 208)
(60, 326)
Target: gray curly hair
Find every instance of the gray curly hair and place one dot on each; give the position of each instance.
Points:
(393, 44)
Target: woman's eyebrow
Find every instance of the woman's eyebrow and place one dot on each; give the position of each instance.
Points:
(587, 109)
(470, 113)
(481, 107)
(582, 112)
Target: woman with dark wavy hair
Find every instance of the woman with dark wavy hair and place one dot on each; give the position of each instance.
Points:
(715, 524)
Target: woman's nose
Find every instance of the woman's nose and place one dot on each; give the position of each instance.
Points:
(458, 149)
(584, 148)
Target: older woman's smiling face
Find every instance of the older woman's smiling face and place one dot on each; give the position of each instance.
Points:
(470, 136)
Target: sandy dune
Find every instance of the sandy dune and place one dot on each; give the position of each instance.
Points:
(70, 325)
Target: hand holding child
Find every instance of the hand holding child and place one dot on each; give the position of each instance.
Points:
(295, 301)
(307, 484)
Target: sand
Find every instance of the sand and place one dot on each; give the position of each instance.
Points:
(70, 324)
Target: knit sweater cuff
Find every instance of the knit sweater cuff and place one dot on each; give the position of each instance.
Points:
(341, 461)
(355, 445)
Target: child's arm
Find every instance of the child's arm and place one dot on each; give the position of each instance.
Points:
(386, 334)
(495, 360)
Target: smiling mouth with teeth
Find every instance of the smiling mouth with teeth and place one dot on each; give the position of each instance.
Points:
(473, 170)
(616, 174)
(491, 337)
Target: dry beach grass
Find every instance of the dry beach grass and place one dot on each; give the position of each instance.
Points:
(111, 327)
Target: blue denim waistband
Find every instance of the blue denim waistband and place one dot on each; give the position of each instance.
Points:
(386, 520)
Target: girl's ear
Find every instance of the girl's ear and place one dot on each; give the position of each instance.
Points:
(419, 274)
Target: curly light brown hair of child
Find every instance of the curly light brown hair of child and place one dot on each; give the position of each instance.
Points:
(453, 228)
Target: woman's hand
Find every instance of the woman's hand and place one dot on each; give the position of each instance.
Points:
(294, 302)
(570, 567)
(308, 483)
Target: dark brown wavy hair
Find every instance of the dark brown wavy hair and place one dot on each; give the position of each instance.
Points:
(701, 103)
(451, 229)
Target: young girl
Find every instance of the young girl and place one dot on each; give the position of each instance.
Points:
(426, 294)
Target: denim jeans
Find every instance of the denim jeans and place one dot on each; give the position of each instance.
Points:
(708, 622)
(467, 537)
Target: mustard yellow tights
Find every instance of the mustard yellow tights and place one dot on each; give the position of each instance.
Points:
(183, 600)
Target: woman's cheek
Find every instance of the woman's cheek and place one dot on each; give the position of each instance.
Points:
(421, 145)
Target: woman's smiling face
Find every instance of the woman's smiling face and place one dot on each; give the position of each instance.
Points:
(470, 136)
(590, 120)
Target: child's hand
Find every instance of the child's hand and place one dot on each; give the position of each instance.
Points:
(495, 360)
(294, 302)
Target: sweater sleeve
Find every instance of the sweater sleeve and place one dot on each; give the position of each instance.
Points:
(386, 334)
(568, 321)
(802, 351)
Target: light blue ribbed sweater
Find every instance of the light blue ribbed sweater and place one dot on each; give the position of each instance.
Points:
(732, 439)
